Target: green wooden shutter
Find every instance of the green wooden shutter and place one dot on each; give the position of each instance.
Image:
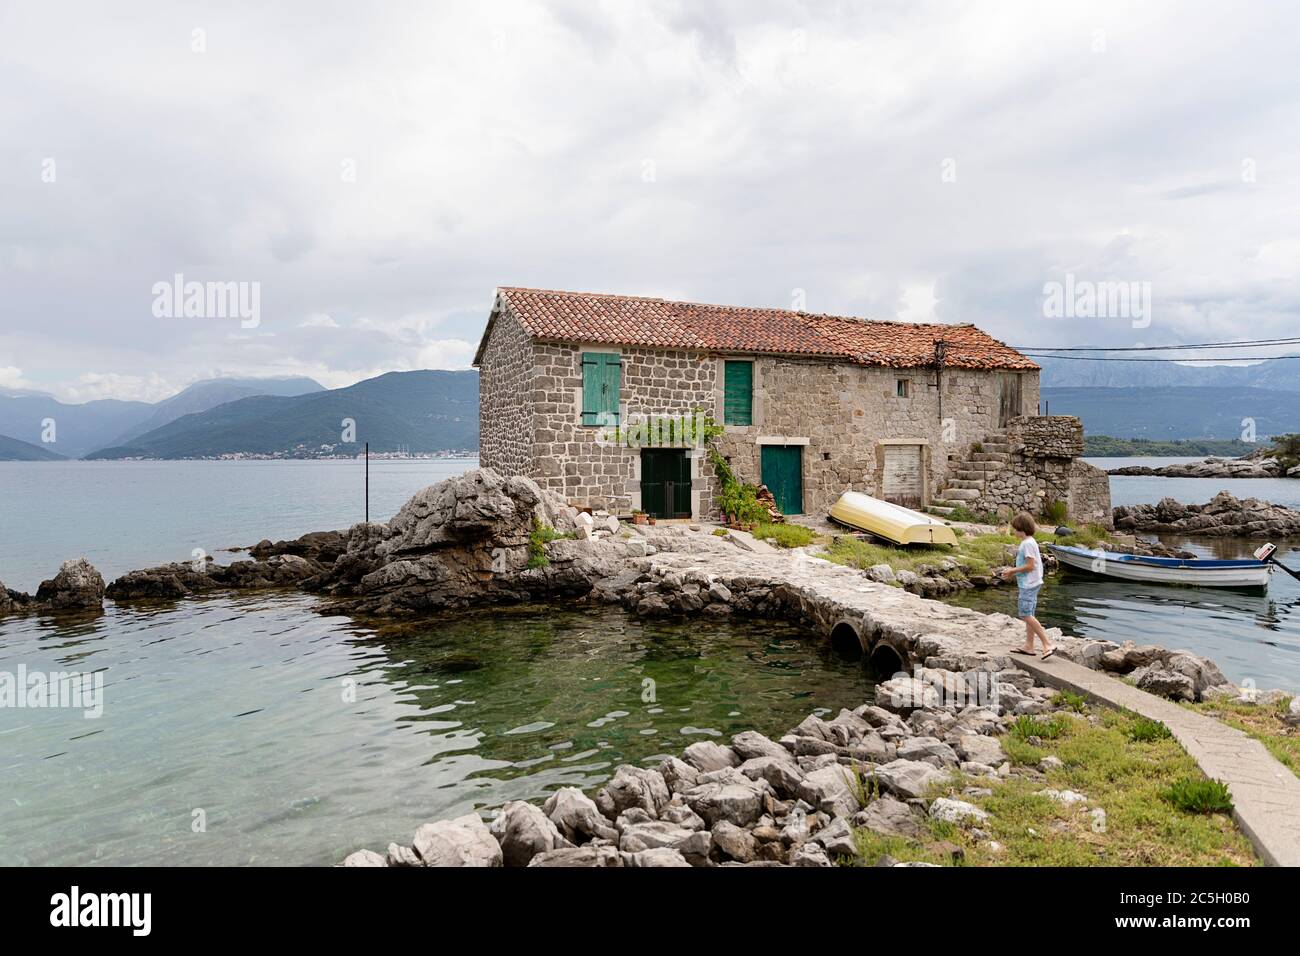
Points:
(738, 397)
(602, 381)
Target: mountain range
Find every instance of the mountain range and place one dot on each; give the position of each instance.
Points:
(423, 411)
(79, 429)
(431, 410)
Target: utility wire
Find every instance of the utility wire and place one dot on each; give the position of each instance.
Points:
(1213, 358)
(1248, 343)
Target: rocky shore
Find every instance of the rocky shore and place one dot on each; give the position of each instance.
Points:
(1250, 467)
(482, 539)
(883, 767)
(1223, 515)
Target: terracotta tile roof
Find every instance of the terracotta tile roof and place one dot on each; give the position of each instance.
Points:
(657, 323)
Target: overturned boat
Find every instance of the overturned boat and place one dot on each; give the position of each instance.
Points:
(889, 521)
(1201, 572)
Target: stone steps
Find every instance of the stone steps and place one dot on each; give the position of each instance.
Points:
(964, 484)
(971, 474)
(959, 496)
(942, 510)
(1001, 457)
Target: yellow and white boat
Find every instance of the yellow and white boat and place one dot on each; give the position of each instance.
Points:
(889, 521)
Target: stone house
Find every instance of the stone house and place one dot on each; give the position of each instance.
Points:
(599, 397)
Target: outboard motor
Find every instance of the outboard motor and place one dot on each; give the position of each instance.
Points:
(1265, 553)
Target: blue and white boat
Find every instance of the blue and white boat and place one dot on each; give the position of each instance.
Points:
(1202, 572)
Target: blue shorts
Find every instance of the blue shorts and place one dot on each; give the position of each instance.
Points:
(1027, 603)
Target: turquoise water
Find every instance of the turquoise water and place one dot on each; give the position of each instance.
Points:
(238, 712)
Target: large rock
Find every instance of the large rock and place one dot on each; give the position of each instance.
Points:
(1166, 683)
(464, 841)
(832, 790)
(633, 787)
(734, 802)
(582, 856)
(694, 845)
(77, 587)
(1222, 515)
(781, 773)
(577, 817)
(524, 831)
(978, 748)
(906, 694)
(705, 756)
(909, 778)
(750, 744)
(889, 817)
(957, 811)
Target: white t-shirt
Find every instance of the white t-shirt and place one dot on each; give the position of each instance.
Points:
(1029, 549)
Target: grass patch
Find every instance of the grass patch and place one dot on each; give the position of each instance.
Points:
(1263, 722)
(1122, 776)
(1146, 729)
(785, 535)
(978, 554)
(1199, 796)
(542, 535)
(1076, 702)
(1044, 728)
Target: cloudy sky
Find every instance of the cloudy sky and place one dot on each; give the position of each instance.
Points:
(378, 168)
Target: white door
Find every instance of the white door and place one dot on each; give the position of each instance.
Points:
(904, 478)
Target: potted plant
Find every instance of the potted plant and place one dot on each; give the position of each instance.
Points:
(640, 517)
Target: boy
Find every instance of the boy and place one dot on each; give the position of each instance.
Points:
(1029, 578)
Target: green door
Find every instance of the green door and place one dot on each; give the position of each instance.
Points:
(783, 474)
(665, 483)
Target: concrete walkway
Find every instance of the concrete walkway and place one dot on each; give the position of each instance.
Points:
(1265, 794)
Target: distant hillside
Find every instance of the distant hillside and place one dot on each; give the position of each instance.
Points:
(423, 411)
(83, 427)
(1103, 446)
(77, 428)
(1282, 375)
(210, 393)
(11, 449)
(1167, 413)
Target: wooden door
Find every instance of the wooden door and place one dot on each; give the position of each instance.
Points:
(904, 476)
(1009, 399)
(665, 483)
(782, 467)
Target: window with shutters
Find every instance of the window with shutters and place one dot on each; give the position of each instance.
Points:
(602, 381)
(738, 395)
(904, 388)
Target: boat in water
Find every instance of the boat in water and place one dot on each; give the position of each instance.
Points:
(1201, 572)
(889, 521)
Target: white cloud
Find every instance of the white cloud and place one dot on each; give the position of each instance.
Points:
(388, 172)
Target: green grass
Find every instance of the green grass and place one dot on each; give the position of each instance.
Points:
(1144, 728)
(1076, 702)
(978, 554)
(1044, 728)
(785, 535)
(542, 535)
(1123, 776)
(1263, 722)
(1193, 795)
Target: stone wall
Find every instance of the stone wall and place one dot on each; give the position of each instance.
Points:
(1044, 467)
(838, 413)
(506, 388)
(841, 413)
(1046, 436)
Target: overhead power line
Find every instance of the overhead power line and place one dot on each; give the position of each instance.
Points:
(1247, 343)
(1213, 358)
